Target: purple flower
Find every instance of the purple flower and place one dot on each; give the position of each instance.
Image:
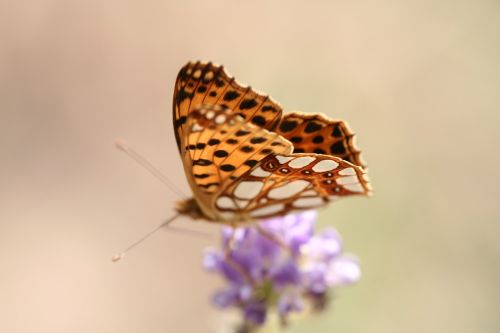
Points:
(279, 264)
(255, 312)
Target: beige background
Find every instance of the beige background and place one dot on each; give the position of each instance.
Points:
(419, 81)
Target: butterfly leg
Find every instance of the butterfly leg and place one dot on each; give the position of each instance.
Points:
(228, 248)
(271, 237)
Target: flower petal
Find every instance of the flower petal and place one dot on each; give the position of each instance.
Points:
(314, 278)
(286, 274)
(225, 298)
(300, 229)
(231, 274)
(343, 271)
(255, 313)
(290, 302)
(324, 246)
(211, 259)
(280, 266)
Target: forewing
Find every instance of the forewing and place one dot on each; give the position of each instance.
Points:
(281, 184)
(315, 133)
(206, 83)
(219, 146)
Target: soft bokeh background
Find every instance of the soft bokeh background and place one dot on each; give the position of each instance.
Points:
(419, 81)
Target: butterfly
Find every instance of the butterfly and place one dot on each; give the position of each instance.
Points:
(246, 160)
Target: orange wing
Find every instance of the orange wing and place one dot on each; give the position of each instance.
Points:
(281, 184)
(205, 83)
(237, 150)
(218, 147)
(315, 133)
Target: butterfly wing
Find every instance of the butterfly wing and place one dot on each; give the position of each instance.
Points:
(206, 83)
(238, 169)
(281, 184)
(315, 133)
(218, 147)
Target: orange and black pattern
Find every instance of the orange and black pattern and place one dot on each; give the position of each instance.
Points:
(317, 134)
(205, 83)
(245, 161)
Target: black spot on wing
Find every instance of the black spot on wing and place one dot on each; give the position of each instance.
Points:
(202, 162)
(227, 167)
(221, 153)
(318, 139)
(247, 149)
(181, 121)
(258, 139)
(248, 103)
(219, 83)
(183, 75)
(312, 127)
(208, 185)
(242, 133)
(251, 163)
(213, 142)
(337, 132)
(338, 148)
(231, 95)
(201, 176)
(259, 121)
(266, 108)
(319, 151)
(182, 95)
(288, 125)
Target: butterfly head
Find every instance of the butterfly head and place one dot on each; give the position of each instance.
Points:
(189, 207)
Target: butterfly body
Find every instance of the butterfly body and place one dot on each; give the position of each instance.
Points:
(245, 161)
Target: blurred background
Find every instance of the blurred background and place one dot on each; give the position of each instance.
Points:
(418, 81)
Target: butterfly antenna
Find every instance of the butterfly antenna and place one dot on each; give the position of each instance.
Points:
(124, 147)
(202, 234)
(120, 255)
